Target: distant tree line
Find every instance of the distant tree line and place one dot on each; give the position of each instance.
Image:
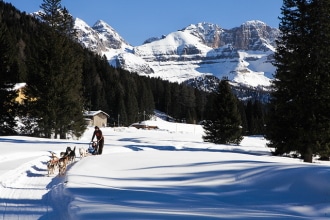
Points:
(63, 79)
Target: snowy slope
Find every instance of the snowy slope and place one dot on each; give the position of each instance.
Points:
(169, 173)
(243, 54)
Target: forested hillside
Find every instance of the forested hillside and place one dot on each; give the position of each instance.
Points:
(33, 46)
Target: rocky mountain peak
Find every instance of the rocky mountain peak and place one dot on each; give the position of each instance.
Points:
(242, 54)
(253, 35)
(88, 37)
(210, 34)
(111, 38)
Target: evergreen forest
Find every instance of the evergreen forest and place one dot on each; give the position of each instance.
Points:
(63, 79)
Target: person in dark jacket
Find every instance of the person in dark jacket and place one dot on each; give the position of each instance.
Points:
(99, 138)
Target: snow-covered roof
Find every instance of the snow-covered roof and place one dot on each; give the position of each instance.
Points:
(93, 113)
(19, 85)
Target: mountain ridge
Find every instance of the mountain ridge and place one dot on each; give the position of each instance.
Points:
(243, 54)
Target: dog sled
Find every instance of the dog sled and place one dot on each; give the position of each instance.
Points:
(93, 148)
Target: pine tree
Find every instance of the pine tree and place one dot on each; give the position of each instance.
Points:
(187, 101)
(51, 13)
(167, 98)
(7, 79)
(255, 113)
(299, 117)
(131, 103)
(224, 126)
(58, 18)
(55, 78)
(145, 99)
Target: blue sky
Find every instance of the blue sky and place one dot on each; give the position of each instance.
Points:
(137, 20)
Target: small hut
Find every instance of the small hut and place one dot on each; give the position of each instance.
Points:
(96, 118)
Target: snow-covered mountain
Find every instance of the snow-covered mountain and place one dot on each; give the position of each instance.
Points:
(200, 51)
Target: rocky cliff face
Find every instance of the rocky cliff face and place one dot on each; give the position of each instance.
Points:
(100, 38)
(242, 54)
(210, 34)
(253, 35)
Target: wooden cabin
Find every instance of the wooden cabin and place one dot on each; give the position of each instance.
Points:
(96, 118)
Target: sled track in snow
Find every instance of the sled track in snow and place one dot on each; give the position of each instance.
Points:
(29, 191)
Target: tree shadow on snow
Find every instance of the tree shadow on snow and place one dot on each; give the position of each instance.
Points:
(192, 149)
(38, 141)
(239, 192)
